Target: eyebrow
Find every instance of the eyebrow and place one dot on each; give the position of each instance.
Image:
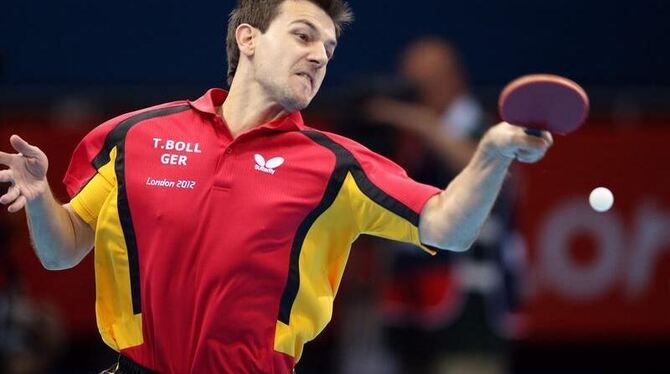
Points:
(330, 42)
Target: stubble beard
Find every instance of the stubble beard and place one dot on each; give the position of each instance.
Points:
(286, 96)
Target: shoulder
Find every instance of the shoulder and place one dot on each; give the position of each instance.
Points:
(147, 113)
(94, 149)
(121, 123)
(335, 141)
(352, 151)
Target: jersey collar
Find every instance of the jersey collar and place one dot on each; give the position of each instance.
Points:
(214, 97)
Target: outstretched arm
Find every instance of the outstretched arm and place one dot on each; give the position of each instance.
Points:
(452, 219)
(61, 239)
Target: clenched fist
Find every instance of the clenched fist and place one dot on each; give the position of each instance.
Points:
(513, 142)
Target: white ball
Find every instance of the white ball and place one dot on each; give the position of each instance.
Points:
(601, 199)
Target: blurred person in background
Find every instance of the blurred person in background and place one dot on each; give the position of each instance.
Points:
(243, 284)
(445, 314)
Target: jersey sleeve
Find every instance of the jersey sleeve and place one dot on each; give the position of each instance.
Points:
(386, 202)
(88, 183)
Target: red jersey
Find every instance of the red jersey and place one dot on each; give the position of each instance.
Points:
(216, 254)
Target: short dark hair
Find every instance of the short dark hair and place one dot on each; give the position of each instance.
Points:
(260, 13)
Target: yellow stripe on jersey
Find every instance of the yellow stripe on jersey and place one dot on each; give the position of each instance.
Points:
(118, 326)
(323, 257)
(89, 205)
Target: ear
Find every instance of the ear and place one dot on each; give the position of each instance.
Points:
(245, 34)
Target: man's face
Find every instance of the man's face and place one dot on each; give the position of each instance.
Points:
(290, 58)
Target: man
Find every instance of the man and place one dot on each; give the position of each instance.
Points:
(222, 225)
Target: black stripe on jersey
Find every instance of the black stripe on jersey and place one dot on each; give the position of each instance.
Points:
(332, 189)
(371, 190)
(345, 162)
(117, 138)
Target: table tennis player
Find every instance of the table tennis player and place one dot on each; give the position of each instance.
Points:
(222, 225)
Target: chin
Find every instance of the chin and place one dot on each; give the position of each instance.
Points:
(296, 103)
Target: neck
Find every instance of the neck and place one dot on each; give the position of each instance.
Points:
(245, 108)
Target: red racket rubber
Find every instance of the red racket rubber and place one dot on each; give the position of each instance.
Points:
(544, 102)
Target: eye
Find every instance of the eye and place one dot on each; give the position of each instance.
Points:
(302, 36)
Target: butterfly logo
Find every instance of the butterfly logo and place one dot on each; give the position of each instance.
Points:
(268, 166)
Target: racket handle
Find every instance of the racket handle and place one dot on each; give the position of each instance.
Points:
(534, 132)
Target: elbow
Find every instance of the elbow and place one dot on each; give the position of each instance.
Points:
(55, 263)
(459, 246)
(438, 230)
(452, 243)
(455, 245)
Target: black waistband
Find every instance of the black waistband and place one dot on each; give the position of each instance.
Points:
(126, 366)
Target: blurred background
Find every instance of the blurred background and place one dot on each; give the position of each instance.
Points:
(551, 286)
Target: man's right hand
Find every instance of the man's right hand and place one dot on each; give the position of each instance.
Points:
(26, 172)
(60, 237)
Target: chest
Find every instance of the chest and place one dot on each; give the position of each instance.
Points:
(269, 181)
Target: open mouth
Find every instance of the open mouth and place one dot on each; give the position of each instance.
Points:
(308, 77)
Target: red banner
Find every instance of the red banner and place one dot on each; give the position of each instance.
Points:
(598, 275)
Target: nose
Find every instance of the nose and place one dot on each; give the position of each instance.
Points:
(318, 55)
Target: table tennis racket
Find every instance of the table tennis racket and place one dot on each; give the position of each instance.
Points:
(544, 102)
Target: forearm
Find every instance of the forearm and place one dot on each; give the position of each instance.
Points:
(55, 237)
(452, 220)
